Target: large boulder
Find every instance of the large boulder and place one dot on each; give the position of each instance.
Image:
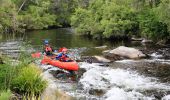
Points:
(110, 56)
(125, 52)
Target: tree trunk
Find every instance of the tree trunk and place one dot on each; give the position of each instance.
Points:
(21, 6)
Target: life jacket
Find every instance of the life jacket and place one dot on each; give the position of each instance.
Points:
(63, 57)
(48, 48)
(61, 49)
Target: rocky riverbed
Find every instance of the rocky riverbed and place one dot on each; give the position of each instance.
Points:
(118, 79)
(125, 79)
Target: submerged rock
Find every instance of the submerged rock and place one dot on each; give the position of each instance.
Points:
(52, 92)
(136, 39)
(126, 52)
(95, 59)
(147, 41)
(62, 96)
(97, 92)
(100, 59)
(101, 47)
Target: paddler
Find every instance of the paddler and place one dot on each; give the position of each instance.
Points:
(63, 55)
(47, 48)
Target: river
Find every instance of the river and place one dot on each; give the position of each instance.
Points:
(146, 79)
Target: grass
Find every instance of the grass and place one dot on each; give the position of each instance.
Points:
(5, 95)
(22, 78)
(29, 82)
(6, 74)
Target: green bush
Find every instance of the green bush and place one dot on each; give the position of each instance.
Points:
(150, 26)
(5, 95)
(108, 18)
(104, 18)
(6, 74)
(28, 82)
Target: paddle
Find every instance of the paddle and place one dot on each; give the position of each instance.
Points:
(36, 55)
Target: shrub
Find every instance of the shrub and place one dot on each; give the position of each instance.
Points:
(6, 74)
(5, 95)
(28, 82)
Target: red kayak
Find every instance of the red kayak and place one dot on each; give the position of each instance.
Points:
(63, 65)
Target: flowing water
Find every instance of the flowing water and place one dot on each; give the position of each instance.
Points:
(146, 79)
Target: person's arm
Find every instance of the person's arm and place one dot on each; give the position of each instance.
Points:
(68, 57)
(52, 49)
(58, 56)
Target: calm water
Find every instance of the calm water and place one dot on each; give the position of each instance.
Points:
(63, 38)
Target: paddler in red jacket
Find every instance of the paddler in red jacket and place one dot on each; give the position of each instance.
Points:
(63, 56)
(47, 48)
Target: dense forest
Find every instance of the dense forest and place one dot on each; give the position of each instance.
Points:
(98, 18)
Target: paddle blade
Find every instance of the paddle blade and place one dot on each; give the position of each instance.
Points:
(36, 55)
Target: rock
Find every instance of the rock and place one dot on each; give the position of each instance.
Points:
(100, 59)
(101, 47)
(147, 41)
(97, 92)
(111, 57)
(136, 39)
(106, 52)
(52, 92)
(95, 59)
(126, 52)
(87, 59)
(80, 73)
(62, 96)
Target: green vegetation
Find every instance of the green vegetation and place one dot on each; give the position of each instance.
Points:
(5, 95)
(106, 18)
(28, 82)
(22, 78)
(5, 76)
(98, 18)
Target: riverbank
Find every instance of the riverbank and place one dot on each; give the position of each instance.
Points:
(22, 80)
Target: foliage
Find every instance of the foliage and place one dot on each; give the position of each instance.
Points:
(103, 18)
(9, 70)
(123, 17)
(162, 11)
(37, 16)
(23, 78)
(106, 18)
(6, 75)
(151, 27)
(5, 95)
(28, 82)
(8, 17)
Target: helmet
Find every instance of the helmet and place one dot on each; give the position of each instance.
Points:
(46, 42)
(64, 50)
